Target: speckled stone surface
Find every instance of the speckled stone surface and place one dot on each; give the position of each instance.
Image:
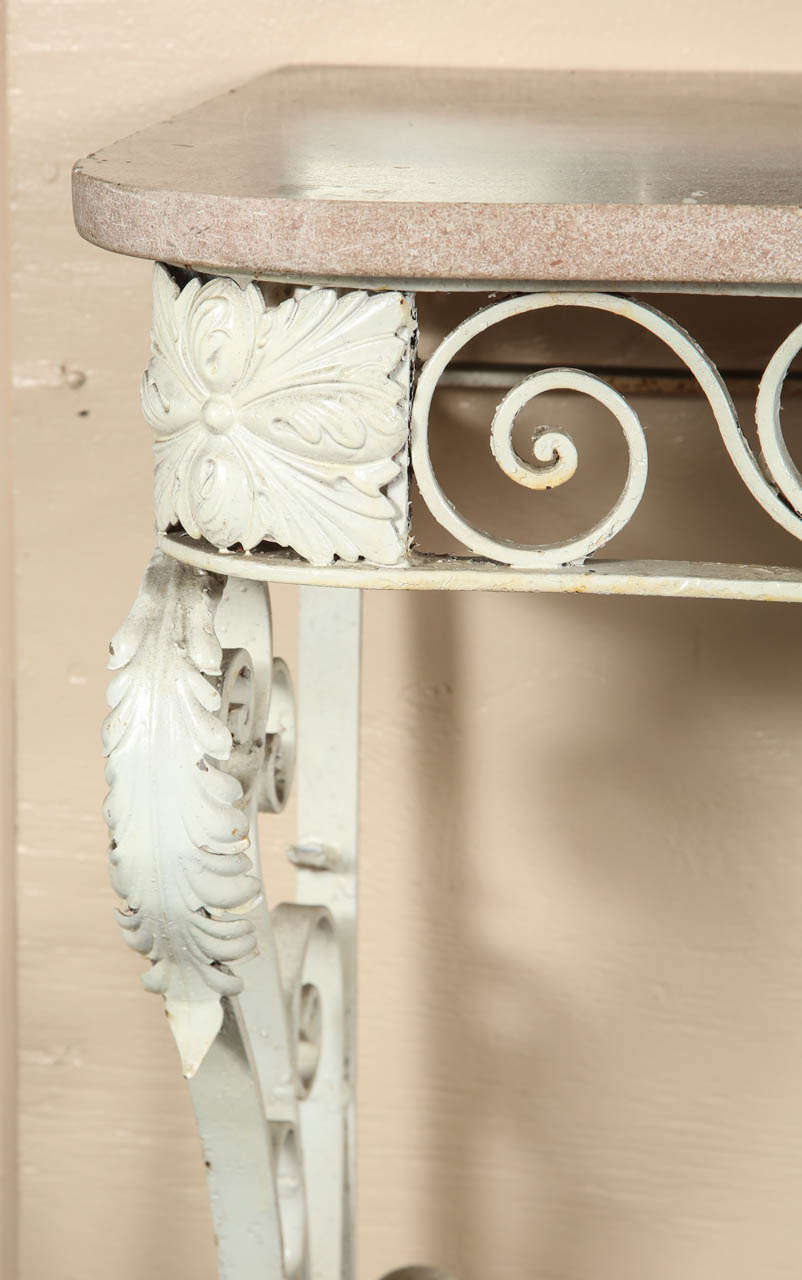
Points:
(441, 177)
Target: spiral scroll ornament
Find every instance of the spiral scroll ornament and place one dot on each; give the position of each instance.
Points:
(776, 483)
(557, 454)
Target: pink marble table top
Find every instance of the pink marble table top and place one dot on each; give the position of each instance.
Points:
(441, 178)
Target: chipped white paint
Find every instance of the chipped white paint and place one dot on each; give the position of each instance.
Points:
(779, 463)
(244, 1094)
(179, 830)
(289, 424)
(286, 423)
(329, 649)
(556, 453)
(307, 941)
(201, 734)
(554, 450)
(441, 573)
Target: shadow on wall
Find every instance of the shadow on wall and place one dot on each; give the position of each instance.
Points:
(609, 835)
(609, 843)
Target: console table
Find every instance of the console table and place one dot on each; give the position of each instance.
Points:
(291, 223)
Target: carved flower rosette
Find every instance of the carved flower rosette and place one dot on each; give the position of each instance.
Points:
(285, 424)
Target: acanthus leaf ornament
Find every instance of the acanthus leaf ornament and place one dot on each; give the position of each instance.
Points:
(285, 423)
(180, 833)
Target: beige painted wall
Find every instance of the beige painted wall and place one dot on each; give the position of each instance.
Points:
(582, 901)
(8, 1055)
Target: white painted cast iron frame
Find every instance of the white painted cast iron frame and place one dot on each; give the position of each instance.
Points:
(777, 487)
(273, 1074)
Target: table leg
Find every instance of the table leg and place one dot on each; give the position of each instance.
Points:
(326, 850)
(200, 736)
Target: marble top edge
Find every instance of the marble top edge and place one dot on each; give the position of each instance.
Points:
(421, 171)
